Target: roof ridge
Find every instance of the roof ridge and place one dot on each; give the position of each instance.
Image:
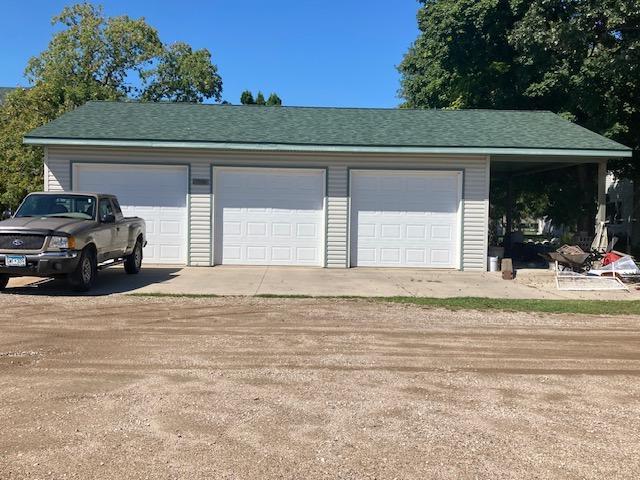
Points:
(310, 107)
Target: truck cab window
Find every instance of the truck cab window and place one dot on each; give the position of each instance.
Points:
(105, 208)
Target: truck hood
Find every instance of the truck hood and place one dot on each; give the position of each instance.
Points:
(44, 225)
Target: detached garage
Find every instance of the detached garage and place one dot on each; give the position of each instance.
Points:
(320, 187)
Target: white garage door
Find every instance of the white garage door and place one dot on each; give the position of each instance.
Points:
(268, 216)
(157, 193)
(405, 218)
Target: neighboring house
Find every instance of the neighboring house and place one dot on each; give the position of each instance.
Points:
(327, 187)
(619, 206)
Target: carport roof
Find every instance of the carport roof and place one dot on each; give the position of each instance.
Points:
(186, 125)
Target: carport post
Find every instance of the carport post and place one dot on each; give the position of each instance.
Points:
(602, 193)
(509, 216)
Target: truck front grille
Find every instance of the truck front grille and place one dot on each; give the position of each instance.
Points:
(10, 241)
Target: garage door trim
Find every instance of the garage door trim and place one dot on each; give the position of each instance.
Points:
(461, 187)
(221, 166)
(74, 164)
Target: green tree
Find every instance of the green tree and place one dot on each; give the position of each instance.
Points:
(580, 59)
(21, 165)
(246, 98)
(182, 75)
(462, 58)
(274, 100)
(93, 57)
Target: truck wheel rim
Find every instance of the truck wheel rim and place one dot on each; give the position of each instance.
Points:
(86, 270)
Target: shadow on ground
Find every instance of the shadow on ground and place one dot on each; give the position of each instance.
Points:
(109, 281)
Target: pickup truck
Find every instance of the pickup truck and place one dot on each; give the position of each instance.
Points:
(69, 235)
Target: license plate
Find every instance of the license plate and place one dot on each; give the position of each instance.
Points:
(15, 261)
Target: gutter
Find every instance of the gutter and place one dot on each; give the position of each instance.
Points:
(280, 147)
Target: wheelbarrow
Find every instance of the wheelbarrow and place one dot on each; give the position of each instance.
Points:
(572, 258)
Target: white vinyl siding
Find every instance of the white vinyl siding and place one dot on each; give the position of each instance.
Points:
(475, 192)
(337, 217)
(200, 215)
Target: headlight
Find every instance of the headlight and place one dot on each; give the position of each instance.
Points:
(62, 242)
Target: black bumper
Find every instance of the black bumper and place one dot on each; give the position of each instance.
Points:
(45, 264)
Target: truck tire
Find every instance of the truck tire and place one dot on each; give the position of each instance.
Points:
(4, 279)
(83, 278)
(133, 261)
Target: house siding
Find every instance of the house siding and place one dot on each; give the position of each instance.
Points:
(200, 252)
(337, 247)
(475, 207)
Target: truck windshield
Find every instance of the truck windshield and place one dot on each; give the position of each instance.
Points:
(70, 206)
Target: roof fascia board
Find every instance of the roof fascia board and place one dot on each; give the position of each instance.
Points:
(327, 148)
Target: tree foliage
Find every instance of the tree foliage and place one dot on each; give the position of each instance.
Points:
(578, 58)
(182, 75)
(246, 98)
(93, 57)
(274, 100)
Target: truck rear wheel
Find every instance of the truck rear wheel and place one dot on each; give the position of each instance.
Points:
(4, 279)
(85, 274)
(133, 261)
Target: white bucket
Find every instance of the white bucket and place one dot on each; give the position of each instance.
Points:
(492, 264)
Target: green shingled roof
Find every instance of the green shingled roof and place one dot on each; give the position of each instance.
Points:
(320, 127)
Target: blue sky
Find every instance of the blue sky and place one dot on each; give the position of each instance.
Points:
(319, 53)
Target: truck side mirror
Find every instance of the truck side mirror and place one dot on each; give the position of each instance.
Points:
(108, 218)
(6, 214)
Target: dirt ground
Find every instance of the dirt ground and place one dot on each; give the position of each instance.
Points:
(237, 388)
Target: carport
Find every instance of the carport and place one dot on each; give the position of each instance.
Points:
(589, 167)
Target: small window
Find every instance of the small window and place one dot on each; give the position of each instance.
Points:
(105, 208)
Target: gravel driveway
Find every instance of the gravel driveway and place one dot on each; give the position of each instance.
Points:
(125, 387)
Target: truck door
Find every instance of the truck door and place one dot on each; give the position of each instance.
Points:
(106, 232)
(121, 228)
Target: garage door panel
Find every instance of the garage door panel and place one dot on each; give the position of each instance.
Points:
(268, 216)
(405, 218)
(416, 232)
(156, 193)
(416, 256)
(282, 230)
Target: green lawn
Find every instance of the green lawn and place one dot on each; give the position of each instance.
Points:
(589, 307)
(586, 307)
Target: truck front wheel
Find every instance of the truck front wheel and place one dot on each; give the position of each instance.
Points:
(84, 276)
(4, 279)
(133, 261)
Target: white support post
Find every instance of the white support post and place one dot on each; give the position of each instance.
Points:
(602, 193)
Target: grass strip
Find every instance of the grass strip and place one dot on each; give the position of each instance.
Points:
(585, 307)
